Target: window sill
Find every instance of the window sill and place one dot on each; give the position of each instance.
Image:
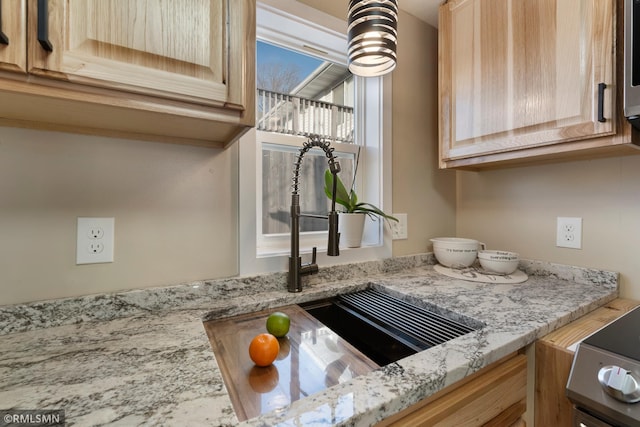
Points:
(272, 253)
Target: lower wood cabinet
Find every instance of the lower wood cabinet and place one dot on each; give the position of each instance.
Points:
(493, 396)
(553, 362)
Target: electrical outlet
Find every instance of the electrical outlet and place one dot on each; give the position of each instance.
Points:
(95, 240)
(96, 247)
(569, 233)
(399, 229)
(95, 233)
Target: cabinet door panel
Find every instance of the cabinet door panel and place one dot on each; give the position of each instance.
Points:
(13, 56)
(174, 49)
(517, 74)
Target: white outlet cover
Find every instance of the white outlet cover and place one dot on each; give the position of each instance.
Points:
(399, 230)
(95, 240)
(569, 232)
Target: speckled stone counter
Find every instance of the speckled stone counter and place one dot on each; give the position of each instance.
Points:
(143, 358)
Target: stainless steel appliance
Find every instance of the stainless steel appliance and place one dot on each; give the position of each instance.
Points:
(604, 383)
(632, 62)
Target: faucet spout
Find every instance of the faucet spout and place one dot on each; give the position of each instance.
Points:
(333, 248)
(296, 268)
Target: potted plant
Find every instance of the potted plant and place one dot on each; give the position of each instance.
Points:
(351, 222)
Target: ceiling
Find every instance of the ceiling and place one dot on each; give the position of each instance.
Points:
(425, 10)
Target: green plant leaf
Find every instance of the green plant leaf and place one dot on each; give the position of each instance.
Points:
(370, 209)
(350, 200)
(342, 197)
(353, 200)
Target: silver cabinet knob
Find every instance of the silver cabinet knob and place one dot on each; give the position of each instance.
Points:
(620, 383)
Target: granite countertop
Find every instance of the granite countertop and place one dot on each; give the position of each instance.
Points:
(143, 358)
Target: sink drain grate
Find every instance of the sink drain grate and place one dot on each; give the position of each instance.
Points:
(418, 327)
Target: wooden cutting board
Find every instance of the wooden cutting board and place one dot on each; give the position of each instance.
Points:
(312, 358)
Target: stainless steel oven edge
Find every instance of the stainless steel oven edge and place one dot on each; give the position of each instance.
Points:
(585, 391)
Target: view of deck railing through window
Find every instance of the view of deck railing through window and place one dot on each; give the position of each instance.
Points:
(294, 115)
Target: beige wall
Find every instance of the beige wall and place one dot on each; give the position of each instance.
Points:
(420, 189)
(174, 207)
(516, 209)
(337, 8)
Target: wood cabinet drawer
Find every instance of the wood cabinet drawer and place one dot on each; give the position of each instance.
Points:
(494, 396)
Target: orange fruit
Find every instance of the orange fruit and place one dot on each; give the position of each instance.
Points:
(264, 349)
(278, 324)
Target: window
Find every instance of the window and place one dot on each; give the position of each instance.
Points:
(278, 157)
(327, 100)
(278, 154)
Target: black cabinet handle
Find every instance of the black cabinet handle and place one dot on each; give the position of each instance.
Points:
(601, 88)
(3, 37)
(43, 25)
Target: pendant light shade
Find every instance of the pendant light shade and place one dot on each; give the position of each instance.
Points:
(373, 34)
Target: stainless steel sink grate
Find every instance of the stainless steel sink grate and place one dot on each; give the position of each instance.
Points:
(421, 327)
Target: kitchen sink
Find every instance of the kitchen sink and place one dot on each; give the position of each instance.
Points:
(330, 341)
(387, 328)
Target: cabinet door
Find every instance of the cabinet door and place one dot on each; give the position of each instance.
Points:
(13, 41)
(493, 396)
(176, 49)
(516, 74)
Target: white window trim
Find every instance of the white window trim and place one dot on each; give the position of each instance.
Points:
(375, 167)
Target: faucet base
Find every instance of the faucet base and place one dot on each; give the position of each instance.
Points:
(297, 270)
(294, 283)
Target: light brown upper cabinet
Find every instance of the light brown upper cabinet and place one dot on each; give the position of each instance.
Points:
(525, 80)
(177, 71)
(13, 35)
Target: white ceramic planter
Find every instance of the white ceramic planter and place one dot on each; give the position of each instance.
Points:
(351, 227)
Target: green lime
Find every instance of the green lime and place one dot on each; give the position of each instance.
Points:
(278, 324)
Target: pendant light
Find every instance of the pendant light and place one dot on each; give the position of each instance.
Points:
(373, 34)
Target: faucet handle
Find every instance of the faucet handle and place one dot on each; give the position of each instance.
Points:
(310, 268)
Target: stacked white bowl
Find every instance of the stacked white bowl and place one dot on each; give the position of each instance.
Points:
(456, 252)
(499, 261)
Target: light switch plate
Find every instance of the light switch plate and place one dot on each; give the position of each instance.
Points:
(95, 240)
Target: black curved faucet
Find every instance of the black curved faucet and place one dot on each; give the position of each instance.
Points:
(296, 268)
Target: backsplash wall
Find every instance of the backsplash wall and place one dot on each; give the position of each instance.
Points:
(175, 213)
(516, 209)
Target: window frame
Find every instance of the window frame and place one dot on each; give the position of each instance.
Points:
(373, 126)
